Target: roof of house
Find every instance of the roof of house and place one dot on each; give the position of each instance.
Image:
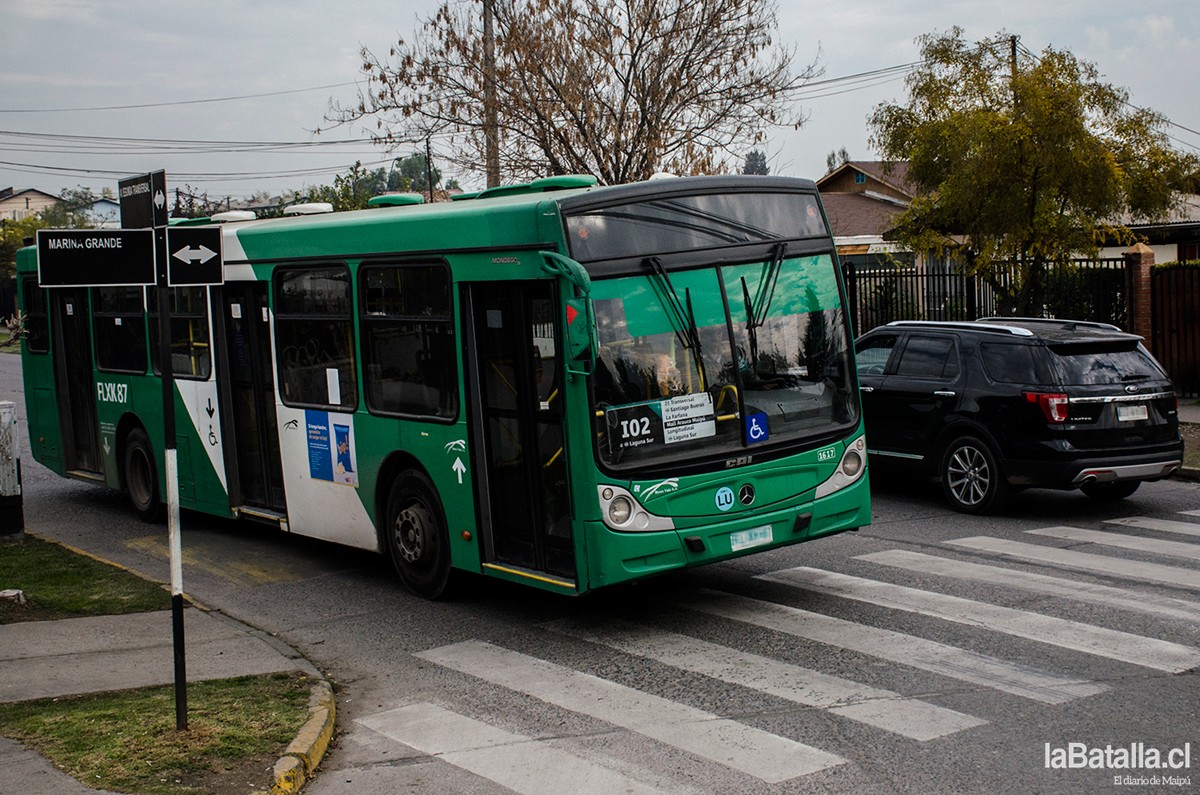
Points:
(11, 193)
(854, 214)
(893, 173)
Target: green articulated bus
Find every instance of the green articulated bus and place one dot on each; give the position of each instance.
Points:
(558, 384)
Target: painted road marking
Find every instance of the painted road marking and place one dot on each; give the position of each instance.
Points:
(927, 655)
(1106, 595)
(884, 709)
(1139, 543)
(521, 763)
(1083, 561)
(755, 752)
(1165, 525)
(1140, 650)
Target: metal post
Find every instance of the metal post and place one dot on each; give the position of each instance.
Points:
(171, 465)
(12, 512)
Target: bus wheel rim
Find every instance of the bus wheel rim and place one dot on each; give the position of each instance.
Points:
(413, 531)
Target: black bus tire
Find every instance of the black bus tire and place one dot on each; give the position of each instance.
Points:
(141, 477)
(417, 541)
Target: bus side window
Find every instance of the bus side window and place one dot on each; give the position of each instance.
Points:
(315, 337)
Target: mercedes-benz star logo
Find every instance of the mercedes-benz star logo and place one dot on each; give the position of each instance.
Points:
(746, 494)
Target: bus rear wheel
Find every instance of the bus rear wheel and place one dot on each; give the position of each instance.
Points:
(416, 536)
(141, 476)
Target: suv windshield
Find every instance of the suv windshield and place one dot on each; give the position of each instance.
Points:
(712, 360)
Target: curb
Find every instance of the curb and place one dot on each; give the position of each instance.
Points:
(1191, 474)
(299, 761)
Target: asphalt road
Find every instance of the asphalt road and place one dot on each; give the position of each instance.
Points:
(767, 674)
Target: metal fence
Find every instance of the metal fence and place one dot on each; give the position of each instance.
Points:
(1175, 324)
(879, 292)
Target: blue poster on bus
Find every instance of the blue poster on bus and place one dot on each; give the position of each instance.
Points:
(331, 451)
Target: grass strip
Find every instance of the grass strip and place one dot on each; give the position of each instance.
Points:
(61, 583)
(126, 741)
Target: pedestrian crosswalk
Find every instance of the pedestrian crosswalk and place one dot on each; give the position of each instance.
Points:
(797, 641)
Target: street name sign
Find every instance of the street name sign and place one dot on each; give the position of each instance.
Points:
(194, 256)
(95, 257)
(143, 200)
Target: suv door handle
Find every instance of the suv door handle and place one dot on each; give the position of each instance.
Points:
(944, 393)
(866, 389)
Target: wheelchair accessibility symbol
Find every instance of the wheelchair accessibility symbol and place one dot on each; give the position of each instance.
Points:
(756, 428)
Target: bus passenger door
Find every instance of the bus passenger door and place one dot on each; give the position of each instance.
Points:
(247, 395)
(517, 428)
(76, 380)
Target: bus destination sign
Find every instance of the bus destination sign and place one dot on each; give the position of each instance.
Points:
(95, 257)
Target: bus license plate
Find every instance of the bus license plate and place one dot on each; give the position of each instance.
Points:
(754, 537)
(1137, 411)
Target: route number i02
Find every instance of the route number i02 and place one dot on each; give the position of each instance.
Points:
(635, 428)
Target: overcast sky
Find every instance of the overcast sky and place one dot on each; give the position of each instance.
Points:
(73, 55)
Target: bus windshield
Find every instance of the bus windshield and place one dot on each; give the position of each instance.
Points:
(713, 360)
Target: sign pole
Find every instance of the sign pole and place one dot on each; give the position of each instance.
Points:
(171, 464)
(144, 204)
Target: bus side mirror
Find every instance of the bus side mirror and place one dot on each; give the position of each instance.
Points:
(580, 325)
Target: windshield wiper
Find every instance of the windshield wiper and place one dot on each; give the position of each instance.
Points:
(756, 310)
(683, 319)
(766, 289)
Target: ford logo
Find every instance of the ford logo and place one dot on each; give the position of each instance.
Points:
(1131, 389)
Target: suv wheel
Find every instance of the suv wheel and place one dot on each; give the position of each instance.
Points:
(971, 477)
(1110, 492)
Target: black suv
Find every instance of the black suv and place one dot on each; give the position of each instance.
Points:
(1006, 403)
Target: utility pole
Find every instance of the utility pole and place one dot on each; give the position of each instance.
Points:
(1012, 58)
(491, 143)
(429, 168)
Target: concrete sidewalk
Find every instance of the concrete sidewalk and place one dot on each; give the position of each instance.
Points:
(1189, 411)
(42, 659)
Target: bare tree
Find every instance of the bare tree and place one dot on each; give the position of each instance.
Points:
(615, 88)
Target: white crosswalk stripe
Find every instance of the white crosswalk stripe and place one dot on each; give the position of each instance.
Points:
(1083, 561)
(1162, 525)
(532, 763)
(884, 709)
(755, 752)
(1105, 595)
(1099, 641)
(521, 763)
(1139, 543)
(928, 655)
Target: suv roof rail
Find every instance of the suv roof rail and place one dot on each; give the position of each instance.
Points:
(968, 325)
(1067, 324)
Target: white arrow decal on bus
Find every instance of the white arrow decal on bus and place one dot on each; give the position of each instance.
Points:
(202, 254)
(459, 467)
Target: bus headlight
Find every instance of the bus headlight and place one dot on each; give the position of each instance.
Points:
(849, 469)
(619, 511)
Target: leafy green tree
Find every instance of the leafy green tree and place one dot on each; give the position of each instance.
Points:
(71, 210)
(349, 191)
(756, 162)
(1025, 161)
(411, 173)
(615, 89)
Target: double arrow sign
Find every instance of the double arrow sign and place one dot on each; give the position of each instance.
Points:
(111, 257)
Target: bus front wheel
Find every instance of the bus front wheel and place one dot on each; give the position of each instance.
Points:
(141, 476)
(417, 541)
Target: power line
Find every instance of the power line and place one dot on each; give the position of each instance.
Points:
(178, 102)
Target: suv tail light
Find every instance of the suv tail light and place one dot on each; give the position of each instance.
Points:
(1055, 405)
